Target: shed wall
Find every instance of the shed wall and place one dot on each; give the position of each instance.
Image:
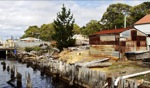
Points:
(109, 44)
(103, 50)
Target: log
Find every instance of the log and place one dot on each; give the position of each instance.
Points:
(52, 53)
(105, 64)
(92, 62)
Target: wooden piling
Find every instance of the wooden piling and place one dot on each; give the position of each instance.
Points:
(19, 80)
(8, 68)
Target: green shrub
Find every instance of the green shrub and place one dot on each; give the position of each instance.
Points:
(28, 49)
(35, 48)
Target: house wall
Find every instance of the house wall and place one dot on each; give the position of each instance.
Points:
(104, 45)
(108, 39)
(135, 41)
(143, 28)
(94, 40)
(8, 43)
(148, 43)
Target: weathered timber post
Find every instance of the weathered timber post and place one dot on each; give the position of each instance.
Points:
(19, 80)
(34, 67)
(72, 74)
(55, 78)
(12, 73)
(43, 69)
(132, 84)
(111, 81)
(60, 68)
(4, 65)
(28, 81)
(8, 68)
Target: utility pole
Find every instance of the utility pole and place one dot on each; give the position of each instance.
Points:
(125, 20)
(125, 15)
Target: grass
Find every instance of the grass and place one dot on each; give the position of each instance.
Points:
(146, 77)
(120, 65)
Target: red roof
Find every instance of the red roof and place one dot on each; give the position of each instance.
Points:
(112, 31)
(145, 19)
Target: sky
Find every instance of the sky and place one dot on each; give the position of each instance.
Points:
(17, 15)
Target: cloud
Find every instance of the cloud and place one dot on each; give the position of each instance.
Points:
(17, 16)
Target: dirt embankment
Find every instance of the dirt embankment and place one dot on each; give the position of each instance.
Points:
(80, 56)
(118, 68)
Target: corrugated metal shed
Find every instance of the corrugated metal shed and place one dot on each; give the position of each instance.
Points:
(120, 40)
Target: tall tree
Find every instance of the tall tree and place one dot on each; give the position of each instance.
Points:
(91, 27)
(46, 32)
(32, 31)
(76, 29)
(139, 11)
(63, 27)
(114, 16)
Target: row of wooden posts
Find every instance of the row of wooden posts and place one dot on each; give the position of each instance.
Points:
(16, 76)
(81, 75)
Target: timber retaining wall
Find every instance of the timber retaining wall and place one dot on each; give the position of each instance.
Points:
(74, 74)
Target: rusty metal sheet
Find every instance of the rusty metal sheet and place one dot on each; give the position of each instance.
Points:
(142, 43)
(94, 40)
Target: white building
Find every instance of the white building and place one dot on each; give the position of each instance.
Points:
(29, 42)
(143, 25)
(1, 43)
(80, 39)
(30, 39)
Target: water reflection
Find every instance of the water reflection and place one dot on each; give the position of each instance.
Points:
(37, 80)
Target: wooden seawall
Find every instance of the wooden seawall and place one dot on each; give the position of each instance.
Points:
(77, 74)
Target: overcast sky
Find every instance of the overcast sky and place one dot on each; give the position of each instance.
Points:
(16, 16)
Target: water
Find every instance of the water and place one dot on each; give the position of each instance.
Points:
(37, 80)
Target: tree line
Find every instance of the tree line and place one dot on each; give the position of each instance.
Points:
(64, 27)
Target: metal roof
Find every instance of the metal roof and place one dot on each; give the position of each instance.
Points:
(112, 31)
(30, 38)
(144, 20)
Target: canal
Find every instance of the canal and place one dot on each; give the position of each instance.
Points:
(37, 80)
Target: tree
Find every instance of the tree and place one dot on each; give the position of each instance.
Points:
(46, 32)
(114, 16)
(32, 31)
(63, 27)
(139, 11)
(76, 29)
(91, 27)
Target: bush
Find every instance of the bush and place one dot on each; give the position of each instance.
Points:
(28, 49)
(36, 48)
